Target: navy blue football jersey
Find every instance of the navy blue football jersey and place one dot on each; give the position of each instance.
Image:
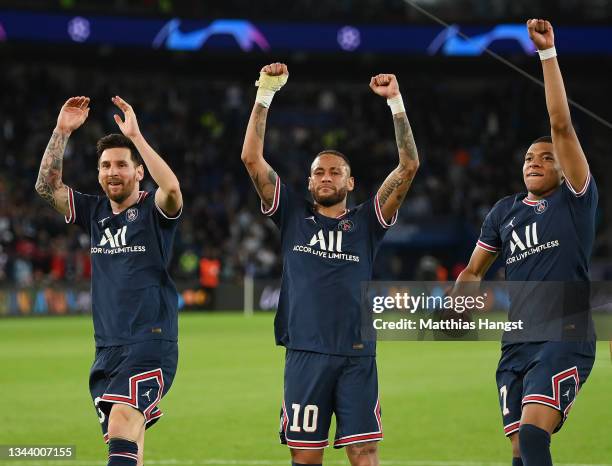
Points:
(325, 260)
(133, 296)
(549, 240)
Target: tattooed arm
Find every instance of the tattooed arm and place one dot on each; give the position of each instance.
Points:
(49, 184)
(261, 173)
(393, 191)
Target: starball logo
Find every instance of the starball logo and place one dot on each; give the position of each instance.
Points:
(528, 244)
(115, 243)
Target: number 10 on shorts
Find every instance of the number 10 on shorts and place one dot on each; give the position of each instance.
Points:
(309, 421)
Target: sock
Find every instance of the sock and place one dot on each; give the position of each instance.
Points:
(122, 452)
(535, 446)
(517, 462)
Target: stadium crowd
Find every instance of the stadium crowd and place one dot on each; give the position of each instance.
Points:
(471, 134)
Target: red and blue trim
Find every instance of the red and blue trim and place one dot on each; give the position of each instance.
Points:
(512, 428)
(151, 412)
(275, 203)
(363, 437)
(487, 247)
(380, 217)
(583, 190)
(555, 400)
(71, 218)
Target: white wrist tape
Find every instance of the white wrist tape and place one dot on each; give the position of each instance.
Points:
(267, 86)
(264, 97)
(548, 53)
(397, 104)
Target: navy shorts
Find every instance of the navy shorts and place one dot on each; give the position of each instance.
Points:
(317, 385)
(549, 373)
(137, 375)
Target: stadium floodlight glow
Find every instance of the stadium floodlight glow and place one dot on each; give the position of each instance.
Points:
(349, 38)
(79, 29)
(452, 44)
(244, 32)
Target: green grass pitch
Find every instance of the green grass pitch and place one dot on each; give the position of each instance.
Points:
(439, 399)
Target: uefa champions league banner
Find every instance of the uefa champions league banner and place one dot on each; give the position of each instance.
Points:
(244, 36)
(514, 312)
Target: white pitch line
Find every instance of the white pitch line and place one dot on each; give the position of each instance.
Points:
(230, 462)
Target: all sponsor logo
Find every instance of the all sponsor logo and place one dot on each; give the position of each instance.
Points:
(327, 245)
(115, 242)
(527, 245)
(531, 238)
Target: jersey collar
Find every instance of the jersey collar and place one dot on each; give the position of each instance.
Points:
(530, 202)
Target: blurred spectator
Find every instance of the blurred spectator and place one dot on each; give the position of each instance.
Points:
(472, 133)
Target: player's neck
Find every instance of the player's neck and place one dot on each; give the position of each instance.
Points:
(334, 211)
(130, 200)
(536, 197)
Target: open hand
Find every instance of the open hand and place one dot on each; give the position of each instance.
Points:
(73, 114)
(129, 124)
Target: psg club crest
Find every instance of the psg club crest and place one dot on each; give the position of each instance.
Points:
(131, 214)
(541, 206)
(345, 225)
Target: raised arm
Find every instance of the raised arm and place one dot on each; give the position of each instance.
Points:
(49, 184)
(272, 78)
(393, 191)
(565, 142)
(168, 197)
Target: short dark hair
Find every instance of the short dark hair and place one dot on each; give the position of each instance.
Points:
(542, 139)
(111, 141)
(336, 153)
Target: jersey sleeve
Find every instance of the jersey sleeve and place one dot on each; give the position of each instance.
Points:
(80, 209)
(377, 224)
(284, 202)
(162, 216)
(587, 197)
(490, 239)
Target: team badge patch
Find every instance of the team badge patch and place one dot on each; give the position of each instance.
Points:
(345, 225)
(541, 206)
(131, 214)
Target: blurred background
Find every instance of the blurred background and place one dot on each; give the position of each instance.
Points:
(189, 72)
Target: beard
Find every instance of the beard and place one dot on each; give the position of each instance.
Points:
(122, 194)
(329, 200)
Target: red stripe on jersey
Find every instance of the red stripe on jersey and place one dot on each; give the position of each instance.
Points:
(487, 247)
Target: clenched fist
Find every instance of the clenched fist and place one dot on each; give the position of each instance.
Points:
(385, 85)
(275, 69)
(541, 33)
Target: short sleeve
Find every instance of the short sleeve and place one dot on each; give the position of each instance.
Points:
(379, 216)
(490, 239)
(587, 197)
(80, 208)
(284, 201)
(376, 223)
(163, 216)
